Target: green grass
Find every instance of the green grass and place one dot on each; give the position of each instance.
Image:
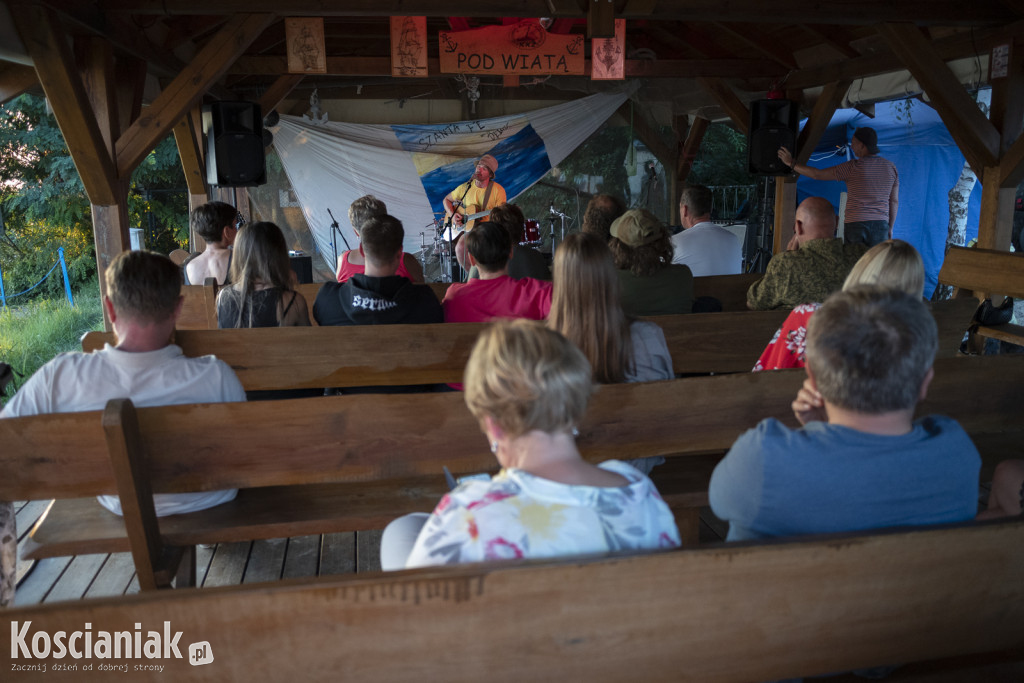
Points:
(32, 334)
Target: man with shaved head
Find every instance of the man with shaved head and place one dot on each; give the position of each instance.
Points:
(814, 265)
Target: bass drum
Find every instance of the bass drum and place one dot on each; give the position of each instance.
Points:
(531, 233)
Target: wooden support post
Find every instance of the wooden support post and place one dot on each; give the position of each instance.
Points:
(785, 212)
(96, 61)
(48, 47)
(131, 83)
(690, 148)
(995, 223)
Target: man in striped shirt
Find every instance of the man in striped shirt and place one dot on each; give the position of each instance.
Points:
(873, 188)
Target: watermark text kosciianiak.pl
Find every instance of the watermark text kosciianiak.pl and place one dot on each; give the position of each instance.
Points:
(28, 647)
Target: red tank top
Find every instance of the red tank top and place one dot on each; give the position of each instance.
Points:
(348, 269)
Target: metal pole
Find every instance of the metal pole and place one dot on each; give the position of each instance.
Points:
(67, 281)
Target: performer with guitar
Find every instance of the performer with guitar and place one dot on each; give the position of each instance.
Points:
(472, 201)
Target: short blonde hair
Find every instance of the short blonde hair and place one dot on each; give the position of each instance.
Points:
(892, 263)
(527, 377)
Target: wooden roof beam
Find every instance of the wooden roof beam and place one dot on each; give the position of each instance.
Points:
(754, 37)
(188, 138)
(828, 101)
(963, 44)
(16, 79)
(187, 88)
(727, 99)
(940, 12)
(661, 68)
(975, 135)
(278, 90)
(48, 47)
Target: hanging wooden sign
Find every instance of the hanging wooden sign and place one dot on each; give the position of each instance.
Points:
(304, 37)
(409, 47)
(608, 55)
(524, 48)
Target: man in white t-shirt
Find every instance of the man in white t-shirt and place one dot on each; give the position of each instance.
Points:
(143, 301)
(706, 248)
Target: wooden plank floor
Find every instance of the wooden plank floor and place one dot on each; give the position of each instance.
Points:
(91, 576)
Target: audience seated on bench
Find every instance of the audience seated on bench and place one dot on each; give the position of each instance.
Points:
(528, 387)
(859, 461)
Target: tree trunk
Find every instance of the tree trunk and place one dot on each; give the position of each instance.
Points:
(959, 196)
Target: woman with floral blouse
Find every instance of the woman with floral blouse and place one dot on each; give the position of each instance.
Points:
(528, 387)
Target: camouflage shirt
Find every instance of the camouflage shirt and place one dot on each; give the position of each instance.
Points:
(806, 275)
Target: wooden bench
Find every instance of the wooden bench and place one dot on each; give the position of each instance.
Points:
(199, 311)
(298, 358)
(982, 273)
(355, 462)
(733, 612)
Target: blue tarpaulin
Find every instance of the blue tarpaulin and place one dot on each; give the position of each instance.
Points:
(912, 136)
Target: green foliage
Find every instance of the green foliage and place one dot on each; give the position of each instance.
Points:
(722, 159)
(45, 207)
(601, 156)
(33, 334)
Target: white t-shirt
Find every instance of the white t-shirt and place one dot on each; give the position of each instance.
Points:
(708, 249)
(76, 382)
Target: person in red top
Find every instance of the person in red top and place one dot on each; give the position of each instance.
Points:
(353, 262)
(494, 294)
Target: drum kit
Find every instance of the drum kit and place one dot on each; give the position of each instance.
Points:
(437, 251)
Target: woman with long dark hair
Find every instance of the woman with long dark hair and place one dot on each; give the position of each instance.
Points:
(262, 293)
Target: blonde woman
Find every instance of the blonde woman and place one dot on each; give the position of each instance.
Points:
(586, 308)
(893, 263)
(528, 387)
(262, 293)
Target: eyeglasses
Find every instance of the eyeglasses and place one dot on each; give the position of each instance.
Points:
(239, 221)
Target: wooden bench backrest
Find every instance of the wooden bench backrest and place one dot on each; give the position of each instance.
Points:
(375, 437)
(292, 358)
(984, 271)
(728, 613)
(199, 311)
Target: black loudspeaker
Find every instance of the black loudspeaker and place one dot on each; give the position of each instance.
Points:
(773, 124)
(234, 144)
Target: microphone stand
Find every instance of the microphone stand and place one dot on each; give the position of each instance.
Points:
(334, 238)
(555, 212)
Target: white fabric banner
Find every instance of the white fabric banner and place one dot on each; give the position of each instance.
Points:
(412, 167)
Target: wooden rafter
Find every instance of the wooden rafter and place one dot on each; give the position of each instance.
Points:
(669, 68)
(754, 37)
(941, 12)
(188, 139)
(828, 101)
(730, 103)
(187, 88)
(962, 44)
(278, 90)
(975, 135)
(16, 79)
(830, 35)
(48, 47)
(131, 82)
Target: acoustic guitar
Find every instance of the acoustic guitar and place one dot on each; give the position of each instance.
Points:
(470, 213)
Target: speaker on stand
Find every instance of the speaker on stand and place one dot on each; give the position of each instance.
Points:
(773, 124)
(234, 144)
